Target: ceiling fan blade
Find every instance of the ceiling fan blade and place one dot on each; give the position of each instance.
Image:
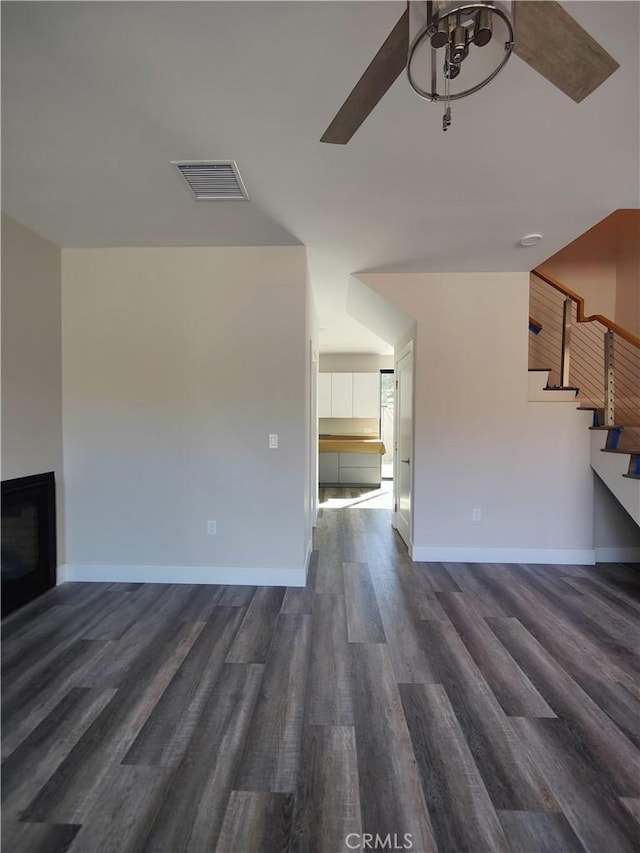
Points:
(549, 40)
(385, 67)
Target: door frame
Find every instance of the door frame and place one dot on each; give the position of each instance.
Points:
(389, 371)
(313, 437)
(406, 350)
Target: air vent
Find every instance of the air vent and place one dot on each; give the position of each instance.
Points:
(212, 180)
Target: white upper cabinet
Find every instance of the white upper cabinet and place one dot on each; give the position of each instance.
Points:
(324, 395)
(342, 395)
(366, 395)
(348, 395)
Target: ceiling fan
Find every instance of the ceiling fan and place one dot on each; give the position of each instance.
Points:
(543, 34)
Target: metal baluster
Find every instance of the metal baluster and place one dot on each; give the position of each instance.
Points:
(609, 380)
(566, 342)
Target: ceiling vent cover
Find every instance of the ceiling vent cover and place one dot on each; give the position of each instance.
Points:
(212, 180)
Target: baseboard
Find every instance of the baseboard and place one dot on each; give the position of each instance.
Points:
(617, 555)
(568, 556)
(306, 562)
(233, 575)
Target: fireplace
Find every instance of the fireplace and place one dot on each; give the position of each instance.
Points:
(28, 539)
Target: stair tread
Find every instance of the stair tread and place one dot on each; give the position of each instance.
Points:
(632, 476)
(628, 427)
(561, 388)
(630, 451)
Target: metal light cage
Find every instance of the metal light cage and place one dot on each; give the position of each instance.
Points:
(436, 25)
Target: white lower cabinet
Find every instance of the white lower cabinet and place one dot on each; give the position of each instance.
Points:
(350, 469)
(359, 476)
(328, 467)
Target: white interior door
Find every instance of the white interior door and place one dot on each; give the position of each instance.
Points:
(404, 444)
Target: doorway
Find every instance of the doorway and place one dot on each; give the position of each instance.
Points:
(353, 470)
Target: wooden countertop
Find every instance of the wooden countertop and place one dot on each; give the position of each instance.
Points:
(350, 444)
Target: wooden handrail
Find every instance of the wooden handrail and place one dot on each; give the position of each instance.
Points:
(581, 316)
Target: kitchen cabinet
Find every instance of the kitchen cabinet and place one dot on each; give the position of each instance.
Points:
(342, 395)
(350, 469)
(324, 395)
(328, 468)
(363, 469)
(366, 395)
(349, 395)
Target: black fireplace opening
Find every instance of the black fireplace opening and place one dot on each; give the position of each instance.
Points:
(28, 539)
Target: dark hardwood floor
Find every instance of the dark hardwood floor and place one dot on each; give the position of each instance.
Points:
(443, 707)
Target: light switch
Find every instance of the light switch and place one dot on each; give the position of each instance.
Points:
(273, 441)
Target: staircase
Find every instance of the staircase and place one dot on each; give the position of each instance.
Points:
(618, 467)
(591, 361)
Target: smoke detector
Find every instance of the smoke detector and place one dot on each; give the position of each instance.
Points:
(530, 239)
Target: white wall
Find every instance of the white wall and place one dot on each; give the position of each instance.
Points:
(311, 412)
(31, 353)
(31, 359)
(349, 426)
(478, 441)
(177, 365)
(354, 363)
(616, 535)
(376, 313)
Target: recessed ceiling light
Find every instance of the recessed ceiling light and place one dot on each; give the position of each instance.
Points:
(530, 239)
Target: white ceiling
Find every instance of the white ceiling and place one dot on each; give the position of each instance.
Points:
(97, 98)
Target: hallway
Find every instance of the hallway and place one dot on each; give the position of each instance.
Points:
(442, 707)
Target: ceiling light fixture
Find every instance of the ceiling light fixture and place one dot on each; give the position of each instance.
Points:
(457, 29)
(530, 239)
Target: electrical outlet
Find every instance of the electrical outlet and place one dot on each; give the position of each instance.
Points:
(273, 441)
(211, 528)
(476, 514)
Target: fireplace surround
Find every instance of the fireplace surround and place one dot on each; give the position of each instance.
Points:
(28, 539)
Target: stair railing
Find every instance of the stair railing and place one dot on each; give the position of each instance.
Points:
(591, 353)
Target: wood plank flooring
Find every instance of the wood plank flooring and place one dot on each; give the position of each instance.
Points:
(445, 708)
